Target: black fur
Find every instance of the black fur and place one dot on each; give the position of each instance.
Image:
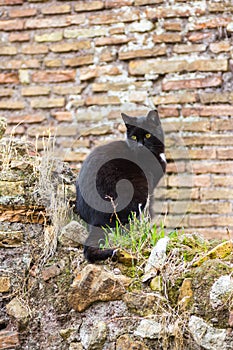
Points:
(116, 180)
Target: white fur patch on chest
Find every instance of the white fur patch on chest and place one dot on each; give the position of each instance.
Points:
(163, 157)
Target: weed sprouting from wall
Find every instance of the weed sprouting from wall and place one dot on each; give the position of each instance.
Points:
(51, 188)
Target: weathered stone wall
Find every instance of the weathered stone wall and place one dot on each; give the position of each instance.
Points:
(72, 67)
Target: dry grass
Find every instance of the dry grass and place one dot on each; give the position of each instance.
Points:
(52, 191)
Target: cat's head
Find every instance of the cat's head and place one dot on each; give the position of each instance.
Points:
(145, 131)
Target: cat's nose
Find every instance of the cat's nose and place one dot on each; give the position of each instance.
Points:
(140, 144)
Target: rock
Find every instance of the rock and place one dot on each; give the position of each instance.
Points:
(9, 339)
(52, 271)
(75, 346)
(95, 339)
(156, 284)
(94, 283)
(186, 294)
(144, 304)
(11, 239)
(219, 252)
(126, 258)
(158, 255)
(221, 290)
(149, 329)
(17, 309)
(124, 342)
(65, 333)
(208, 337)
(5, 284)
(3, 125)
(73, 235)
(11, 188)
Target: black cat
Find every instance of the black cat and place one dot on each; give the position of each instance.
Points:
(116, 179)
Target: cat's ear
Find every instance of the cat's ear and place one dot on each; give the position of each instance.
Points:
(153, 116)
(127, 119)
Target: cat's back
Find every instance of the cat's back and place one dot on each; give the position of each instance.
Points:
(105, 153)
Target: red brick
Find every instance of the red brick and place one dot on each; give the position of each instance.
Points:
(225, 153)
(11, 104)
(79, 61)
(48, 102)
(178, 193)
(210, 233)
(18, 64)
(176, 167)
(26, 12)
(223, 180)
(15, 130)
(174, 11)
(192, 83)
(6, 92)
(118, 3)
(89, 6)
(114, 40)
(147, 2)
(214, 97)
(202, 153)
(168, 112)
(68, 47)
(173, 26)
(56, 9)
(175, 98)
(210, 220)
(222, 46)
(210, 140)
(35, 49)
(68, 90)
(54, 22)
(222, 124)
(199, 37)
(184, 125)
(107, 55)
(60, 130)
(54, 76)
(9, 78)
(216, 193)
(12, 25)
(185, 48)
(215, 22)
(74, 156)
(200, 207)
(35, 90)
(141, 67)
(155, 51)
(220, 6)
(89, 73)
(102, 100)
(54, 63)
(19, 37)
(11, 2)
(8, 50)
(212, 167)
(106, 17)
(167, 38)
(206, 111)
(63, 116)
(30, 118)
(182, 180)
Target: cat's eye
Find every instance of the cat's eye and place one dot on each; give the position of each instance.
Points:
(148, 136)
(133, 137)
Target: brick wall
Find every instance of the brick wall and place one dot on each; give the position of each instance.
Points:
(73, 66)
